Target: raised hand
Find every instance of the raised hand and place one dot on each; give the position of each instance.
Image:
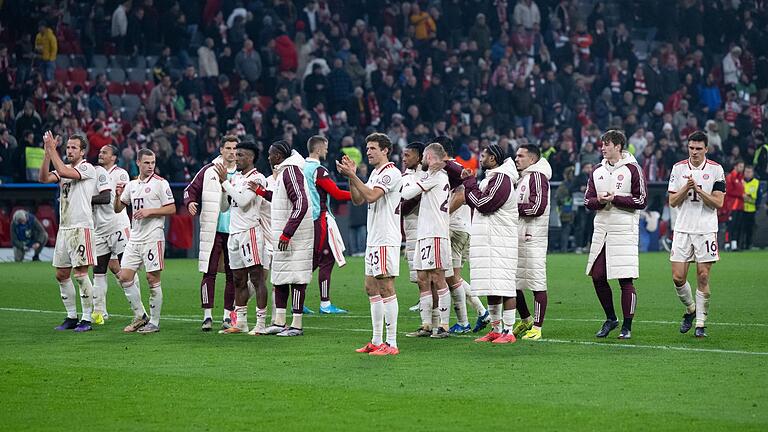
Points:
(221, 171)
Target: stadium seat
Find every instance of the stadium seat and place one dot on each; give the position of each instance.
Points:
(62, 61)
(128, 113)
(131, 101)
(5, 228)
(151, 60)
(99, 61)
(78, 75)
(47, 216)
(137, 74)
(61, 75)
(180, 231)
(116, 75)
(148, 86)
(116, 100)
(119, 61)
(139, 62)
(94, 72)
(116, 88)
(135, 88)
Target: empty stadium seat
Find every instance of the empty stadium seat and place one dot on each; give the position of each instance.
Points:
(5, 228)
(62, 61)
(99, 61)
(78, 75)
(116, 100)
(137, 74)
(116, 88)
(135, 88)
(61, 75)
(116, 75)
(94, 72)
(46, 214)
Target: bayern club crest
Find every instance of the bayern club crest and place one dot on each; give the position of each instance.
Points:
(147, 190)
(522, 188)
(386, 179)
(706, 176)
(621, 177)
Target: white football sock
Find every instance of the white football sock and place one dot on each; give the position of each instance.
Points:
(391, 309)
(227, 314)
(68, 295)
(86, 295)
(261, 318)
(100, 293)
(685, 296)
(702, 308)
(425, 309)
(474, 300)
(274, 310)
(508, 318)
(495, 315)
(133, 295)
(377, 319)
(325, 303)
(460, 304)
(296, 321)
(155, 304)
(279, 316)
(444, 306)
(242, 317)
(207, 314)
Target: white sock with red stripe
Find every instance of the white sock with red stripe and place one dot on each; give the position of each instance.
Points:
(495, 314)
(391, 309)
(508, 318)
(425, 309)
(474, 300)
(86, 295)
(68, 295)
(133, 295)
(100, 293)
(460, 303)
(444, 306)
(377, 319)
(155, 304)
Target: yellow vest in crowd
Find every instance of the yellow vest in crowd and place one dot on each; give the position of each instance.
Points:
(750, 190)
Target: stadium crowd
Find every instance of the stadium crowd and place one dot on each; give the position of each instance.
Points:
(176, 76)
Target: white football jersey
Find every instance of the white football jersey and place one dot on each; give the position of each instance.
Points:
(103, 214)
(411, 220)
(244, 204)
(384, 214)
(117, 176)
(434, 219)
(265, 218)
(153, 193)
(461, 219)
(693, 216)
(75, 210)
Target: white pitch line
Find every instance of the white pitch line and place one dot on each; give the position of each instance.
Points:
(347, 316)
(558, 341)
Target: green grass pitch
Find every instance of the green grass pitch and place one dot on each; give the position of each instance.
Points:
(182, 379)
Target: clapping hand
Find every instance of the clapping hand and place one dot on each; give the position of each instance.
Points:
(221, 171)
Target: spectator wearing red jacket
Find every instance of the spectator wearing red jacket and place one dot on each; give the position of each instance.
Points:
(734, 202)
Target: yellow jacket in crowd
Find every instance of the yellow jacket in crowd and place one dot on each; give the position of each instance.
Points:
(46, 44)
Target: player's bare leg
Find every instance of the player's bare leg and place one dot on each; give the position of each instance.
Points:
(128, 281)
(683, 288)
